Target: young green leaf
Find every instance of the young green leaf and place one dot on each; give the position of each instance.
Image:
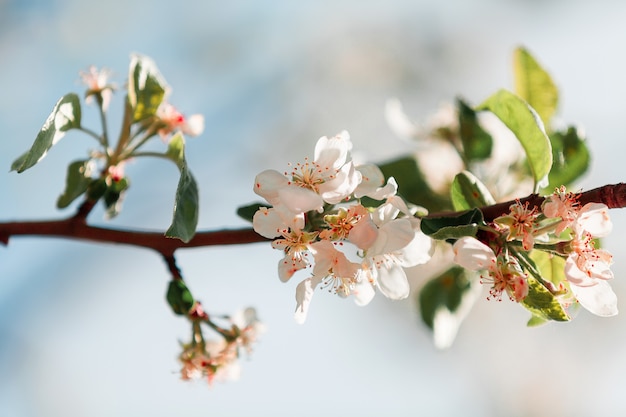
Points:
(179, 297)
(445, 301)
(76, 183)
(571, 158)
(453, 227)
(524, 122)
(412, 185)
(469, 192)
(185, 217)
(477, 143)
(65, 115)
(534, 85)
(542, 303)
(146, 87)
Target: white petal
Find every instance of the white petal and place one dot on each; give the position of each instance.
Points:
(598, 299)
(300, 200)
(594, 218)
(333, 152)
(371, 180)
(393, 236)
(364, 233)
(398, 121)
(363, 292)
(393, 283)
(268, 223)
(304, 293)
(472, 254)
(417, 252)
(342, 186)
(267, 184)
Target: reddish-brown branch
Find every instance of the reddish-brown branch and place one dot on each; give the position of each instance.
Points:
(614, 196)
(76, 228)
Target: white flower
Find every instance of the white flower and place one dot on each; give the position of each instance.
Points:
(331, 177)
(399, 244)
(279, 222)
(335, 272)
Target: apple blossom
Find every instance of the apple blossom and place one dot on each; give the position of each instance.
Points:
(97, 85)
(503, 272)
(172, 120)
(330, 178)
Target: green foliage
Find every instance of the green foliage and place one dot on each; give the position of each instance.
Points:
(179, 297)
(469, 192)
(112, 197)
(146, 87)
(412, 185)
(447, 292)
(534, 85)
(247, 212)
(571, 158)
(542, 303)
(185, 217)
(550, 267)
(77, 182)
(523, 121)
(65, 115)
(453, 227)
(477, 143)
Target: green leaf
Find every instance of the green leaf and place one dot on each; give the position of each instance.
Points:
(535, 321)
(551, 267)
(445, 301)
(176, 149)
(477, 143)
(542, 303)
(185, 217)
(411, 184)
(524, 122)
(469, 192)
(112, 197)
(179, 297)
(77, 182)
(453, 227)
(65, 115)
(247, 212)
(571, 158)
(146, 87)
(534, 85)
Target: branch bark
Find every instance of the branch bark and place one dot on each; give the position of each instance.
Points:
(76, 227)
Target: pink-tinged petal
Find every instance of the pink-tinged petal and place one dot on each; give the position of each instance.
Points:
(392, 282)
(372, 179)
(333, 152)
(364, 233)
(289, 266)
(472, 254)
(393, 236)
(195, 125)
(304, 293)
(594, 218)
(300, 200)
(268, 223)
(598, 299)
(267, 184)
(363, 292)
(341, 186)
(417, 252)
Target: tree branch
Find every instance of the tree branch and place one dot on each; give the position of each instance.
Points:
(75, 227)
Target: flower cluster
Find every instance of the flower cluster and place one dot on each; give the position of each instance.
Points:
(319, 221)
(218, 360)
(563, 227)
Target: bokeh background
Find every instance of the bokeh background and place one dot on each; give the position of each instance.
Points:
(84, 328)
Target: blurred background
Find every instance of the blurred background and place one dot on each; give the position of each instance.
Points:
(84, 328)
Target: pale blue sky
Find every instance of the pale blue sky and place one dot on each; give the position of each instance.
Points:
(85, 330)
